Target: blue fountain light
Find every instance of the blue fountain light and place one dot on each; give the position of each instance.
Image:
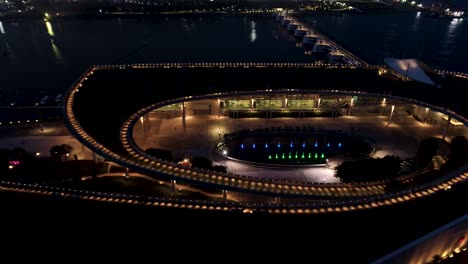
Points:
(328, 144)
(242, 146)
(253, 146)
(339, 145)
(316, 144)
(303, 144)
(266, 145)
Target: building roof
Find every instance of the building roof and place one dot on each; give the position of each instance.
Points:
(410, 68)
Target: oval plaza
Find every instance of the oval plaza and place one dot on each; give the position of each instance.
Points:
(119, 111)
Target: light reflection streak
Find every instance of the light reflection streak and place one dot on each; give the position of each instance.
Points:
(56, 51)
(253, 33)
(2, 30)
(453, 25)
(9, 51)
(50, 31)
(119, 22)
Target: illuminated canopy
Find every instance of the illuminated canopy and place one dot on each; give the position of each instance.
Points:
(410, 68)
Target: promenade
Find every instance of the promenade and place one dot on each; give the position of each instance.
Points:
(40, 137)
(400, 138)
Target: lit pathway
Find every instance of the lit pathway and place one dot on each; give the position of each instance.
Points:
(401, 138)
(35, 140)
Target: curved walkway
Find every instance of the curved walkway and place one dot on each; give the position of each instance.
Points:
(236, 182)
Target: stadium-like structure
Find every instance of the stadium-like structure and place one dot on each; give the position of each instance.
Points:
(104, 106)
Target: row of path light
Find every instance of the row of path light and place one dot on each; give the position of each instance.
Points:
(369, 196)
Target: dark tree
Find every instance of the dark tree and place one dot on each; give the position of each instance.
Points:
(219, 168)
(160, 154)
(458, 153)
(57, 152)
(202, 163)
(459, 149)
(394, 185)
(426, 151)
(368, 170)
(4, 161)
(20, 154)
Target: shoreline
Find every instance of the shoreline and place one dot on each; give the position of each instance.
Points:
(108, 15)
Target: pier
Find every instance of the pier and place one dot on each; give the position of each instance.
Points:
(353, 59)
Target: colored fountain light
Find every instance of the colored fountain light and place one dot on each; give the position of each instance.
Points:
(297, 152)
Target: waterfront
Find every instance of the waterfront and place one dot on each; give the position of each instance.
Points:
(383, 241)
(440, 43)
(44, 58)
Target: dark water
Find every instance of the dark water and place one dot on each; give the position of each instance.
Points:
(39, 58)
(453, 4)
(440, 43)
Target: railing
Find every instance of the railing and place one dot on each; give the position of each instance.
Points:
(223, 180)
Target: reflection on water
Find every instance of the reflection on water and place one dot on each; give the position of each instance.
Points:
(448, 42)
(402, 35)
(453, 25)
(9, 52)
(253, 33)
(80, 43)
(56, 52)
(119, 22)
(50, 31)
(417, 21)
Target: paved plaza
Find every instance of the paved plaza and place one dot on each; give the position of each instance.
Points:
(201, 133)
(40, 137)
(401, 138)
